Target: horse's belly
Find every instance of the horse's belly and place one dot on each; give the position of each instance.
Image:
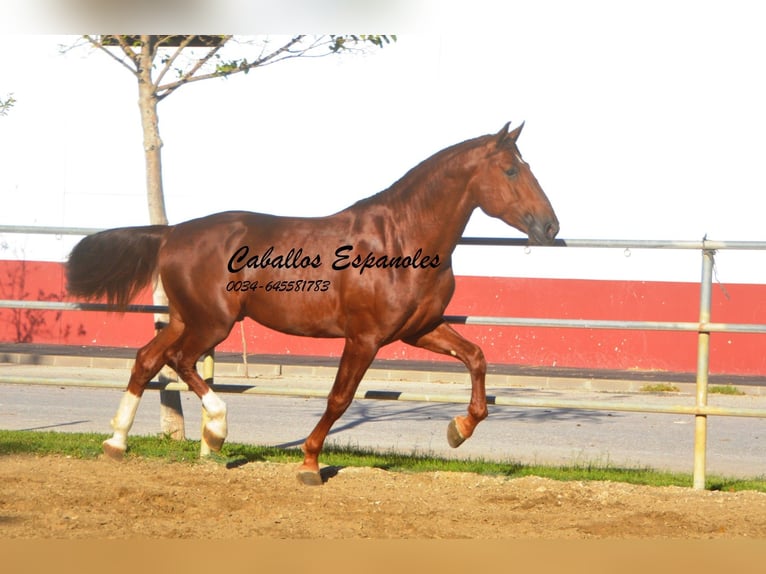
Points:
(305, 314)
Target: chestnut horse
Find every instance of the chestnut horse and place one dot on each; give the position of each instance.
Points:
(374, 273)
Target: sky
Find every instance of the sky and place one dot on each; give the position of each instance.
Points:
(642, 121)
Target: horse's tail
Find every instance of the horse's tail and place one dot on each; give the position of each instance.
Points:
(115, 264)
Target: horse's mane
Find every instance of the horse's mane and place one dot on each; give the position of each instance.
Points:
(431, 168)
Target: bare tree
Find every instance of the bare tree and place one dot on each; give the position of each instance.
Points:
(162, 65)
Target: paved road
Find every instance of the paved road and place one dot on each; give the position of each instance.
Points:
(736, 446)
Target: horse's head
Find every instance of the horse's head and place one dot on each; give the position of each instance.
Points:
(504, 187)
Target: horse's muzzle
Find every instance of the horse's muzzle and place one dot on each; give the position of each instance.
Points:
(543, 232)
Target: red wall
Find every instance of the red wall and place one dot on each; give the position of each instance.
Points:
(494, 296)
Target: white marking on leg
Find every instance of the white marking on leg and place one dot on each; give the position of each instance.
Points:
(213, 404)
(216, 409)
(204, 448)
(123, 420)
(453, 353)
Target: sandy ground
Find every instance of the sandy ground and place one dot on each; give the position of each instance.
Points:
(57, 497)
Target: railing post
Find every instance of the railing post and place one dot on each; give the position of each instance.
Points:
(703, 364)
(171, 408)
(208, 368)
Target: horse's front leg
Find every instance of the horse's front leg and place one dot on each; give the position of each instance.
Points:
(444, 339)
(354, 362)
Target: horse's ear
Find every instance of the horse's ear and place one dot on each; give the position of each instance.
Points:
(514, 135)
(504, 135)
(501, 136)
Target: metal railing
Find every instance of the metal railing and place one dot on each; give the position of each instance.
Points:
(703, 327)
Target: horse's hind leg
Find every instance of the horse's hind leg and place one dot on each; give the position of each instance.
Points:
(444, 339)
(183, 355)
(149, 360)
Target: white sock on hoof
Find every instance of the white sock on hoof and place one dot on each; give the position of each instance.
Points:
(216, 409)
(123, 420)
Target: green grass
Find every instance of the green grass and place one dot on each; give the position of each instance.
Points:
(670, 388)
(659, 388)
(724, 390)
(88, 446)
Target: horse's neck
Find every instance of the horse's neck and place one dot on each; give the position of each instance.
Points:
(429, 207)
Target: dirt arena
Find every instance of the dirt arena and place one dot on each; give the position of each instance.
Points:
(58, 497)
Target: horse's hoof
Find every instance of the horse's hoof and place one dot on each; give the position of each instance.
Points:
(454, 438)
(212, 440)
(112, 451)
(310, 477)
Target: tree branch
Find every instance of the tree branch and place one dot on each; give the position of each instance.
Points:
(128, 52)
(135, 57)
(236, 66)
(186, 41)
(165, 90)
(6, 104)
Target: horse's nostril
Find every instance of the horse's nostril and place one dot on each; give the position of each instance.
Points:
(551, 230)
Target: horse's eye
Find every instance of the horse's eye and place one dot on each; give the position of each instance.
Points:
(511, 171)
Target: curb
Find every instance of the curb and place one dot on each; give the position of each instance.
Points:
(435, 373)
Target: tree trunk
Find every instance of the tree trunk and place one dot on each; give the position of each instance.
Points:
(171, 410)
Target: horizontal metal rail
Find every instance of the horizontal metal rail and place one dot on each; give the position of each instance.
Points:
(36, 230)
(73, 306)
(701, 244)
(608, 324)
(454, 319)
